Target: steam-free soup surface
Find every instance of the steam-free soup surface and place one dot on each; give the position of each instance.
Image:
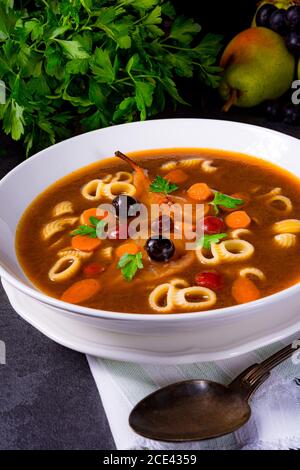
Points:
(255, 251)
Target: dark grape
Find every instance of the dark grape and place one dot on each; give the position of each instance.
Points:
(291, 114)
(277, 22)
(292, 42)
(263, 15)
(274, 110)
(292, 17)
(160, 249)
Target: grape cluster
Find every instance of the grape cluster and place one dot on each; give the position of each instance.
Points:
(287, 24)
(284, 22)
(283, 110)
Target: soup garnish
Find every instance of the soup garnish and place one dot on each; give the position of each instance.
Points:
(165, 231)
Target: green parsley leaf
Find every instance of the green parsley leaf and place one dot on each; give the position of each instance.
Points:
(206, 240)
(73, 49)
(143, 97)
(162, 185)
(93, 231)
(102, 63)
(102, 67)
(85, 230)
(77, 66)
(221, 199)
(13, 120)
(183, 30)
(129, 264)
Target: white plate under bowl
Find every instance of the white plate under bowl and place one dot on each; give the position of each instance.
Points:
(165, 339)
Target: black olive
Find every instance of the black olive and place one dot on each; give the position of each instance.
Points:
(122, 205)
(160, 249)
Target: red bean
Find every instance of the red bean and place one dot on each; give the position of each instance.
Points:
(92, 269)
(213, 225)
(211, 280)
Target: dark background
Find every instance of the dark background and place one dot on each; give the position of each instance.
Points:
(48, 399)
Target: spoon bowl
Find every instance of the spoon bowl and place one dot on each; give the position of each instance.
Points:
(190, 410)
(201, 409)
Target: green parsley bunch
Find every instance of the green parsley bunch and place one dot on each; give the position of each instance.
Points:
(73, 65)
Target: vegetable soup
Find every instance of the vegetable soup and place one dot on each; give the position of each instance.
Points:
(93, 238)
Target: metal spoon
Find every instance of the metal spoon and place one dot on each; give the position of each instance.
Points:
(201, 409)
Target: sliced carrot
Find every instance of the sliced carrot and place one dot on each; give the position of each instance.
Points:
(131, 248)
(93, 212)
(81, 291)
(176, 176)
(93, 269)
(244, 290)
(238, 219)
(85, 243)
(200, 192)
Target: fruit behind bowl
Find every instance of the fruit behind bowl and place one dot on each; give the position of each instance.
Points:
(257, 67)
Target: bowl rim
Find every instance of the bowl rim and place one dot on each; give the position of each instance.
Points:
(78, 310)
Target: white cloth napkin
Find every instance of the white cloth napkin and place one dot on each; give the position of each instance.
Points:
(275, 420)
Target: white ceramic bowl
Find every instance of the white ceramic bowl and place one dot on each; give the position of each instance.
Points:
(145, 338)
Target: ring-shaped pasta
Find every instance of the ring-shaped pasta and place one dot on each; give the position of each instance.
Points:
(228, 251)
(179, 283)
(209, 261)
(234, 250)
(60, 274)
(168, 166)
(190, 162)
(106, 253)
(239, 233)
(250, 271)
(93, 190)
(62, 208)
(107, 178)
(111, 190)
(287, 205)
(208, 167)
(287, 226)
(185, 163)
(68, 251)
(56, 226)
(285, 240)
(160, 293)
(270, 194)
(122, 176)
(208, 296)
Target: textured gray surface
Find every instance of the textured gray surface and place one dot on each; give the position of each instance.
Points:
(48, 398)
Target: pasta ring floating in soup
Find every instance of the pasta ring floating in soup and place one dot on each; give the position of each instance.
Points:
(56, 226)
(285, 240)
(176, 293)
(228, 251)
(248, 249)
(65, 268)
(63, 208)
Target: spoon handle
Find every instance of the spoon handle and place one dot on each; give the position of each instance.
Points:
(249, 380)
